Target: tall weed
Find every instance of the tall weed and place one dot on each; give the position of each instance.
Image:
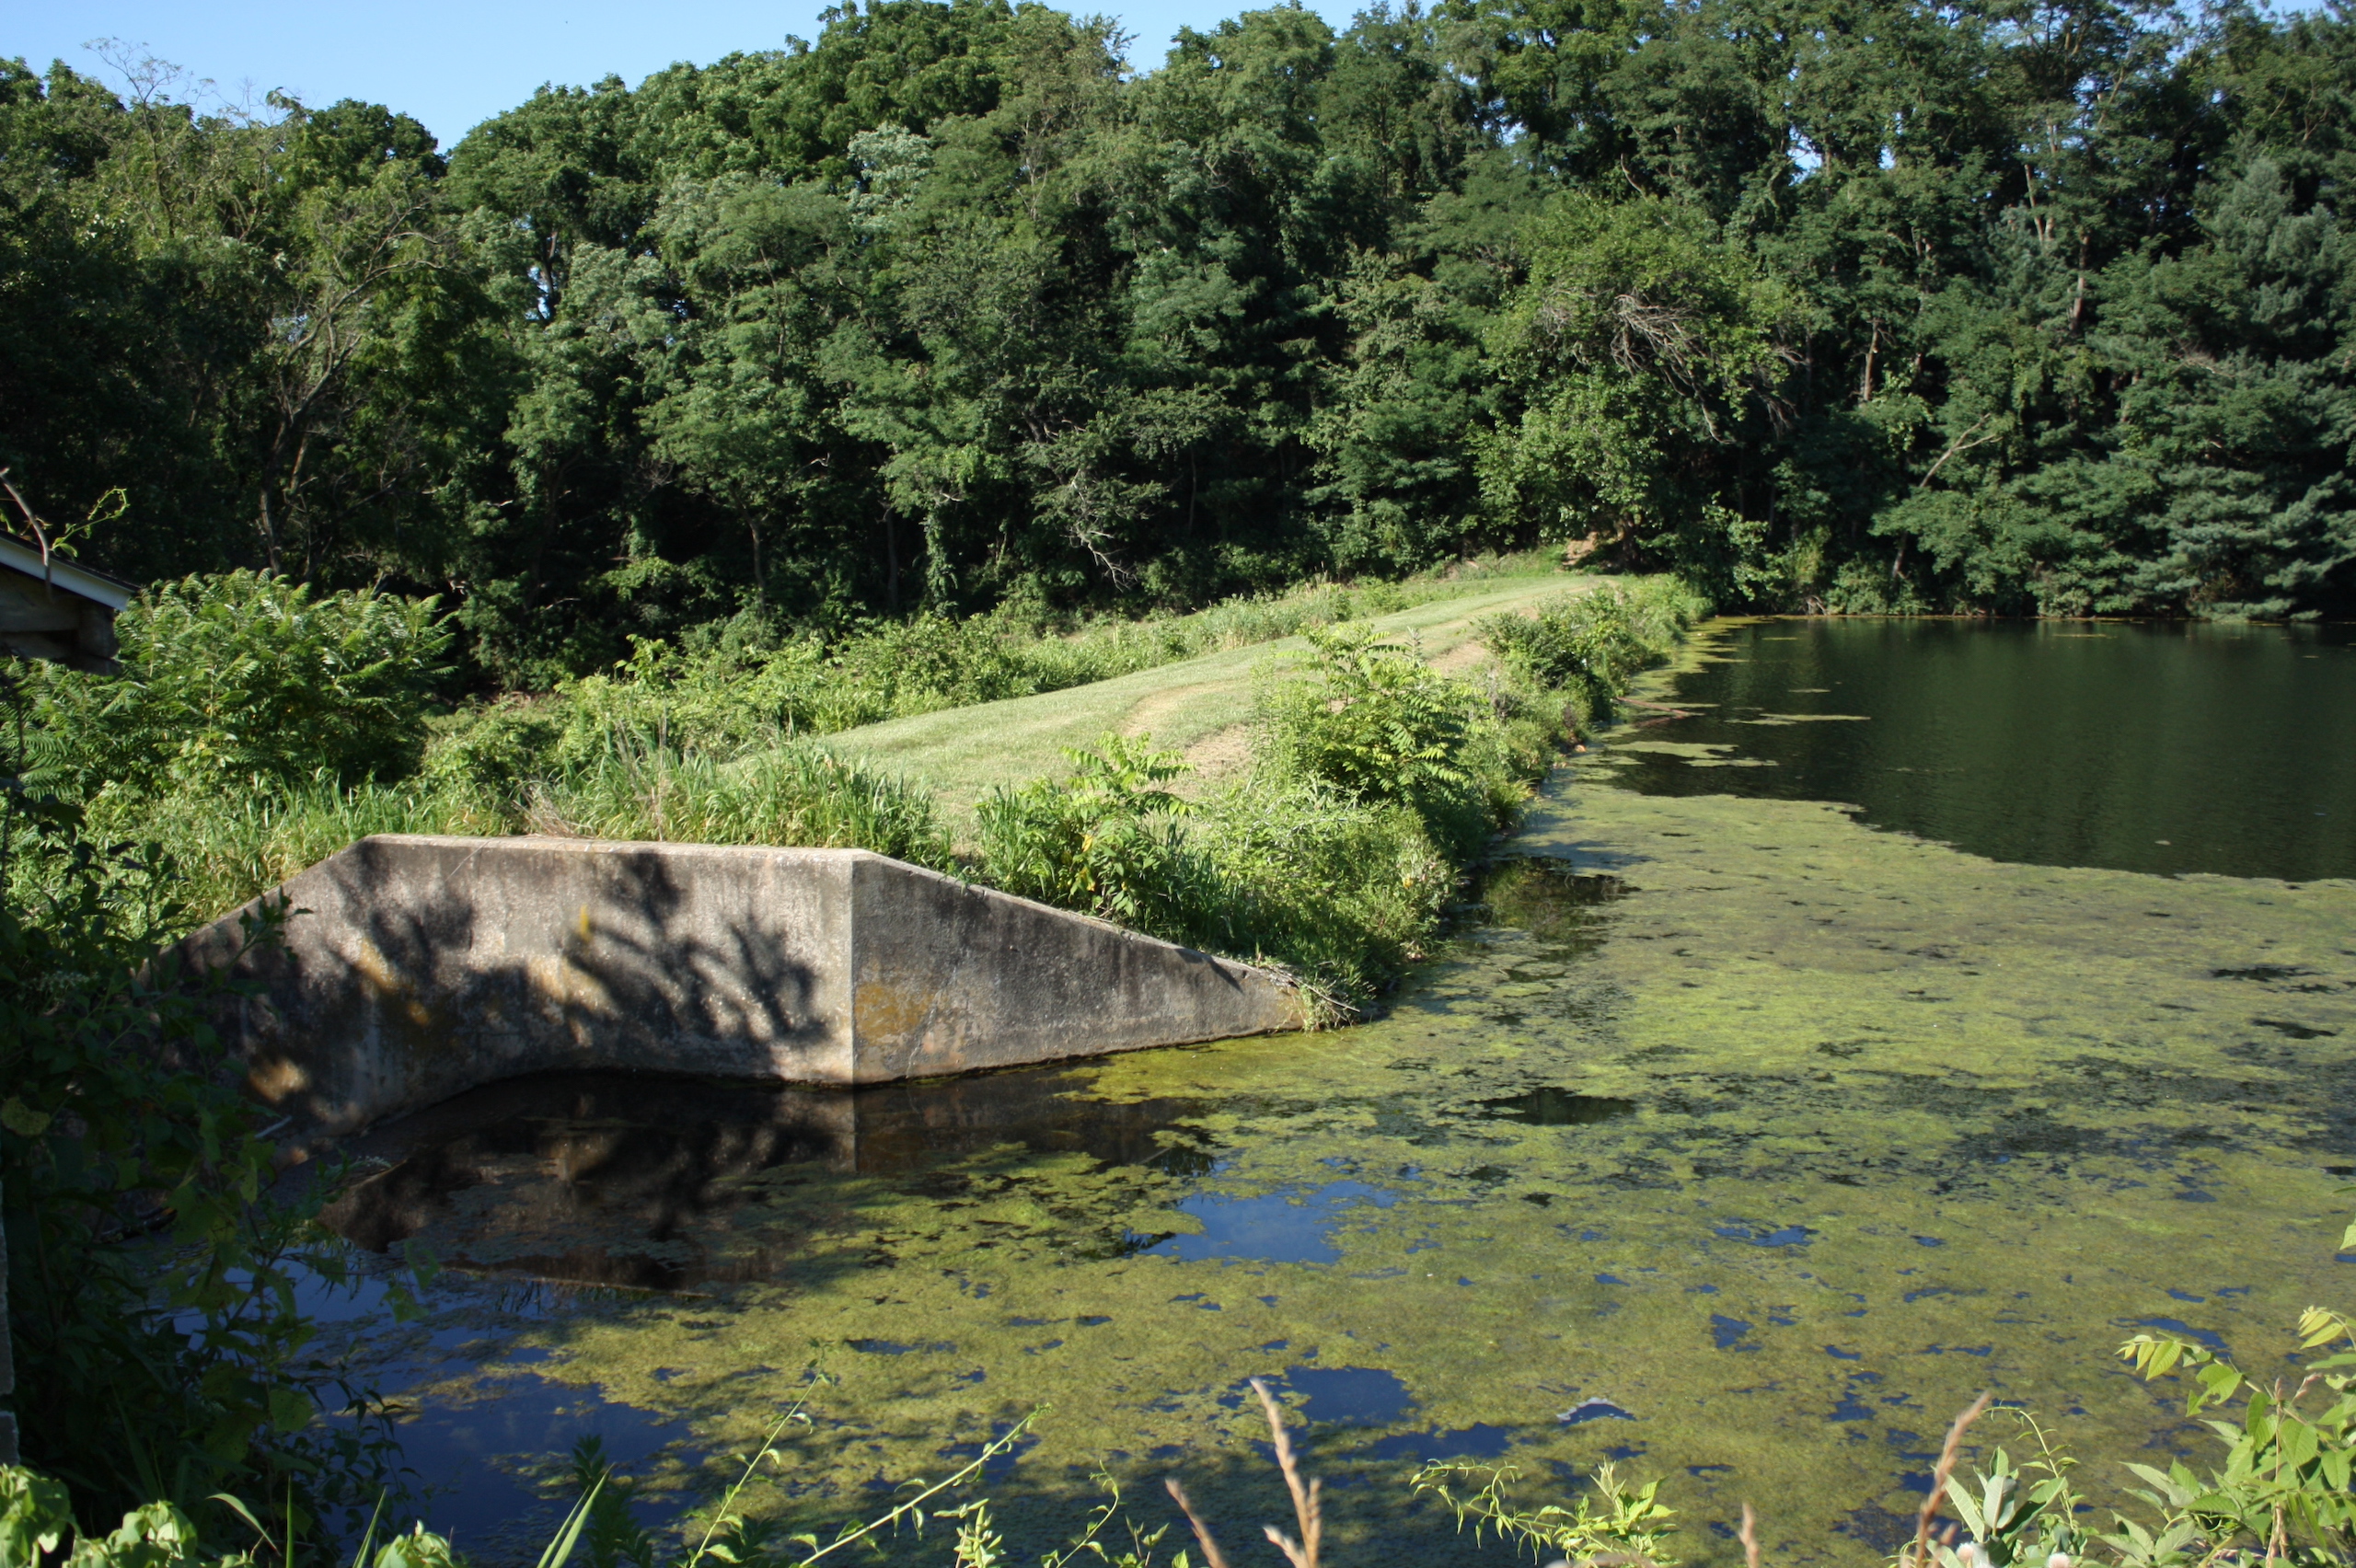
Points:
(1591, 645)
(796, 796)
(222, 852)
(1106, 839)
(1343, 893)
(1375, 723)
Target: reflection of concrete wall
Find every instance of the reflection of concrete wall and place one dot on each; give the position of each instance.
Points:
(7, 1363)
(665, 1182)
(415, 968)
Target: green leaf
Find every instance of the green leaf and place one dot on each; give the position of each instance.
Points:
(560, 1550)
(22, 1118)
(2297, 1442)
(290, 1409)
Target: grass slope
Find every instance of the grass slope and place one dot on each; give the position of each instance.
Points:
(1196, 706)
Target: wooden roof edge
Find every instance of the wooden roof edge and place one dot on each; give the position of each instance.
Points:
(75, 578)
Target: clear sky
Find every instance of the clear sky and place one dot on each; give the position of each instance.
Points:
(454, 63)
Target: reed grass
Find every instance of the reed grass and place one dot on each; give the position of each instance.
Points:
(795, 796)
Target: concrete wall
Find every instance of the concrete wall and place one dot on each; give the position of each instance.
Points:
(415, 968)
(7, 1363)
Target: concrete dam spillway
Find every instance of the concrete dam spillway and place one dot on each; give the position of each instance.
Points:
(414, 968)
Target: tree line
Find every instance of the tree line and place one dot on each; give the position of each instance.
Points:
(2015, 306)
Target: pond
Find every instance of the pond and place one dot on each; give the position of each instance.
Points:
(1813, 1063)
(2137, 746)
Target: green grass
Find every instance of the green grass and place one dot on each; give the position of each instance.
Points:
(1287, 865)
(1191, 706)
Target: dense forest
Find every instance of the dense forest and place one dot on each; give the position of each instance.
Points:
(2007, 305)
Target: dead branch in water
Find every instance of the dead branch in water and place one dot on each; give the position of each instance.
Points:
(1920, 1556)
(1307, 1503)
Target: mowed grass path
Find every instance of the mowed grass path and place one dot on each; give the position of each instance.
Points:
(1201, 707)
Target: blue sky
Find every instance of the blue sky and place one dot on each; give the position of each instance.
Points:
(454, 63)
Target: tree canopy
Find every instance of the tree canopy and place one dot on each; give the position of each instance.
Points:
(2042, 307)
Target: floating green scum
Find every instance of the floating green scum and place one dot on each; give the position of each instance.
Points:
(1730, 1140)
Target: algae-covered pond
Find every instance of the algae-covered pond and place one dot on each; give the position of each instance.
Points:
(1737, 1137)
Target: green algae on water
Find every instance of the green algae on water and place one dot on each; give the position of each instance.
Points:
(1738, 1141)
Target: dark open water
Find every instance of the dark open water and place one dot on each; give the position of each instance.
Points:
(2135, 745)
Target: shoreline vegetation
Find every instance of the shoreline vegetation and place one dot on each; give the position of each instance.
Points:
(1369, 780)
(258, 725)
(166, 1279)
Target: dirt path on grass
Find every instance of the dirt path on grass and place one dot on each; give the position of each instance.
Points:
(1201, 707)
(1153, 715)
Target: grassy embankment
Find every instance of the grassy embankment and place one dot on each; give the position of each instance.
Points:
(1203, 708)
(1309, 804)
(258, 730)
(1293, 780)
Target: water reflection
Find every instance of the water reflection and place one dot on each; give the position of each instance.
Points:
(655, 1182)
(1558, 1108)
(1283, 1227)
(2138, 746)
(481, 1458)
(1550, 897)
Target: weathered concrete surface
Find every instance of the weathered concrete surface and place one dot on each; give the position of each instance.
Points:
(7, 1364)
(414, 968)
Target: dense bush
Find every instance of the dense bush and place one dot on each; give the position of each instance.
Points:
(151, 1283)
(1377, 724)
(1106, 839)
(1593, 644)
(242, 682)
(1343, 892)
(1375, 780)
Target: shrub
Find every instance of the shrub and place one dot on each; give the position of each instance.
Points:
(1376, 780)
(151, 1283)
(1106, 839)
(1341, 890)
(494, 749)
(1591, 645)
(1374, 720)
(230, 683)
